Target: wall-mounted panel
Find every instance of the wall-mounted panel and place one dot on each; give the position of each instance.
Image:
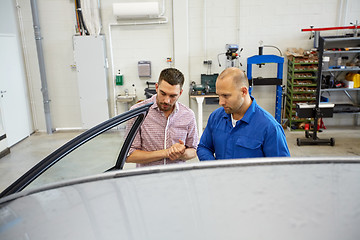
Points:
(89, 54)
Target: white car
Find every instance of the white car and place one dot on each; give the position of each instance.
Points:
(268, 198)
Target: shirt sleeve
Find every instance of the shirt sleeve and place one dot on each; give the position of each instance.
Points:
(275, 144)
(192, 139)
(205, 150)
(136, 144)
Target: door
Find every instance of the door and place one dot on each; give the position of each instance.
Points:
(13, 95)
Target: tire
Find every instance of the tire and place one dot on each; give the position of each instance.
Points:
(332, 141)
(298, 141)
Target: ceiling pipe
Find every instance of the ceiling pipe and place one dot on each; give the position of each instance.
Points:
(44, 88)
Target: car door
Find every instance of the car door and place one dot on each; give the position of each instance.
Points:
(99, 149)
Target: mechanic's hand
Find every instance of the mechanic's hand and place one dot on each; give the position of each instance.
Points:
(176, 150)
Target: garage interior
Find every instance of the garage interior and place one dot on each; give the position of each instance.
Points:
(49, 96)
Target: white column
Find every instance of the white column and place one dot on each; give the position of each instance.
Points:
(181, 44)
(200, 101)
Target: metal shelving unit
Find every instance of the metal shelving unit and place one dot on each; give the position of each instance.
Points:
(326, 43)
(339, 74)
(355, 101)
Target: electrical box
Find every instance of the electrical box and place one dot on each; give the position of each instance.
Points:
(90, 58)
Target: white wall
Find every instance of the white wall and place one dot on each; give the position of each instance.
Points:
(244, 22)
(135, 42)
(198, 37)
(57, 28)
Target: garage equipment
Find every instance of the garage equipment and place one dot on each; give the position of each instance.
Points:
(209, 80)
(261, 60)
(232, 54)
(323, 110)
(315, 32)
(325, 43)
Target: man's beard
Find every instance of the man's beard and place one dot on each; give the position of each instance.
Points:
(230, 110)
(164, 106)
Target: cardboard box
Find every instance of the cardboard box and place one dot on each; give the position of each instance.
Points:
(301, 55)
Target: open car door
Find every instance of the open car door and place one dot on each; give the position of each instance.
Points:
(81, 157)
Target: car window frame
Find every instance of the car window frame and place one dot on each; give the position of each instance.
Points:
(138, 113)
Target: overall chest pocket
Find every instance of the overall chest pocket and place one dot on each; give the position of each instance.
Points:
(247, 142)
(248, 147)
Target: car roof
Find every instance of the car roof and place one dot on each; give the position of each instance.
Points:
(268, 198)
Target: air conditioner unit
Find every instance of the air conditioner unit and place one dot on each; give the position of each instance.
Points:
(137, 10)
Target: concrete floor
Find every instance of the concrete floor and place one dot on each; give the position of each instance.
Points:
(31, 150)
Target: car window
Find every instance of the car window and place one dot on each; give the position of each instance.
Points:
(93, 157)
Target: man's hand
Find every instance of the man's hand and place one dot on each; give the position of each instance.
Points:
(176, 150)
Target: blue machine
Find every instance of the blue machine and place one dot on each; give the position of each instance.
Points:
(260, 60)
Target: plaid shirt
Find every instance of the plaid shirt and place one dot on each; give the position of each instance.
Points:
(156, 128)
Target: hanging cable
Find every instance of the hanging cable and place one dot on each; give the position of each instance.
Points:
(77, 18)
(83, 28)
(90, 13)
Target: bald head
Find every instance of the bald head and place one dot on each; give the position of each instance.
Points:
(232, 87)
(237, 75)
